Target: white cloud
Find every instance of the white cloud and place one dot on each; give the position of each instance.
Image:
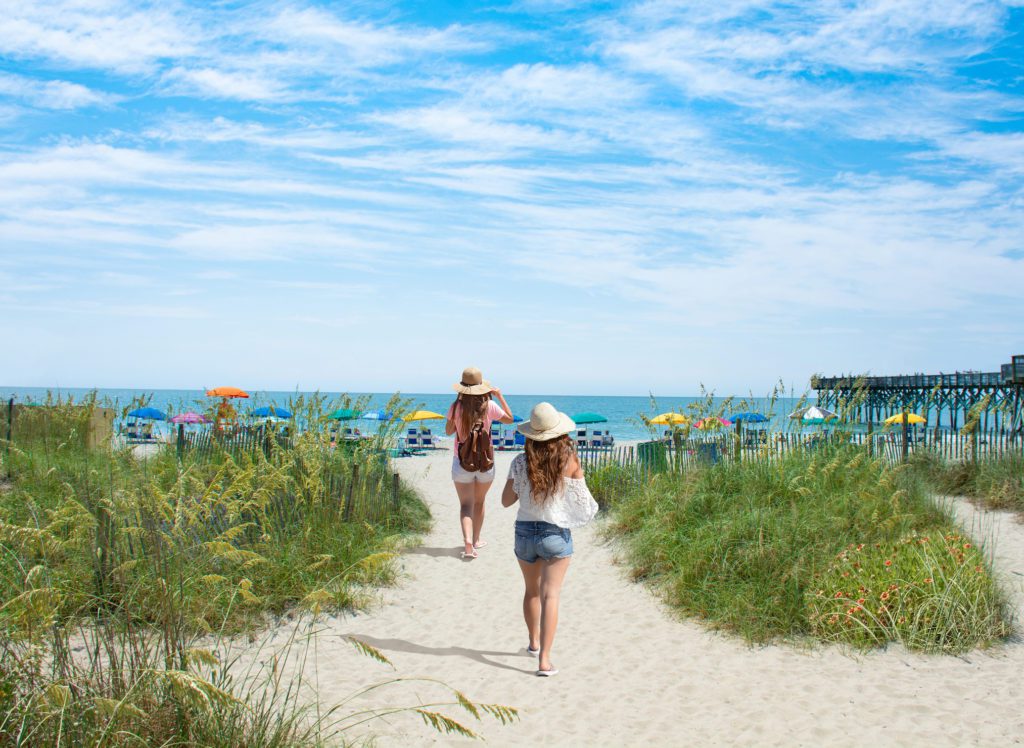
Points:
(52, 94)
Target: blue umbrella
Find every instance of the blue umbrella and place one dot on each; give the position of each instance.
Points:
(377, 415)
(150, 413)
(270, 411)
(748, 418)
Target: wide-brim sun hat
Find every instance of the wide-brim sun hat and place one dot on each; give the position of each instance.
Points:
(472, 383)
(546, 423)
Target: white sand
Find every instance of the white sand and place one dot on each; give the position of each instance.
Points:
(633, 675)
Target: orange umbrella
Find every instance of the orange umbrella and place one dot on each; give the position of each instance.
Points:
(227, 392)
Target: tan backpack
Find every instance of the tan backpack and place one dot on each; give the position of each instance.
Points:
(476, 453)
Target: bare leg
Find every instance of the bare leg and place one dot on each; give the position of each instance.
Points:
(531, 601)
(478, 509)
(467, 499)
(551, 576)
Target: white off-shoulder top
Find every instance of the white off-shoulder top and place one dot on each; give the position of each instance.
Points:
(573, 506)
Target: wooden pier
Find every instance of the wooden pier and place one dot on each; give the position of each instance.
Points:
(992, 401)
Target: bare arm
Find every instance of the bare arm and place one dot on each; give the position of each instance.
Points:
(449, 424)
(575, 468)
(507, 418)
(508, 494)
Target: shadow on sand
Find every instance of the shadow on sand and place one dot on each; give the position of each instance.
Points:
(477, 655)
(435, 552)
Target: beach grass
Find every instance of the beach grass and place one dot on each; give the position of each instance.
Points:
(995, 482)
(124, 582)
(757, 548)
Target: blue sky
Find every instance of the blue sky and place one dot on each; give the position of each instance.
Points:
(591, 198)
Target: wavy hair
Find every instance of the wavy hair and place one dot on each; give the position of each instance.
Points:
(545, 465)
(474, 408)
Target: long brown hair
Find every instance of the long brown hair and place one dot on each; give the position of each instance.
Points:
(474, 408)
(545, 465)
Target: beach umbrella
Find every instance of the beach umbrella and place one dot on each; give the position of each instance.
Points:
(272, 411)
(748, 418)
(344, 414)
(712, 422)
(151, 414)
(421, 415)
(912, 418)
(669, 419)
(813, 415)
(189, 417)
(226, 392)
(582, 418)
(377, 415)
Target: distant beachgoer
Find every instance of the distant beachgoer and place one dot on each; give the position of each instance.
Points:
(474, 409)
(547, 481)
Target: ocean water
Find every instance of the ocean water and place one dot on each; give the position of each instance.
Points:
(623, 412)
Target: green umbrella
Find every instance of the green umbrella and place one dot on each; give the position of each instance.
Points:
(581, 418)
(344, 414)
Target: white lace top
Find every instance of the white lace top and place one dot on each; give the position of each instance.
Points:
(573, 506)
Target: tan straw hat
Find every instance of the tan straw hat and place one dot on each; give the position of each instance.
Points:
(473, 382)
(546, 423)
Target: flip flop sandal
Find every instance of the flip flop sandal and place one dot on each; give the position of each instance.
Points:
(480, 545)
(469, 555)
(547, 673)
(531, 651)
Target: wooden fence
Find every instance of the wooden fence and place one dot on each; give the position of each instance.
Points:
(676, 456)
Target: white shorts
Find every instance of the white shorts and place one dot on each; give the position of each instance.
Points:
(464, 476)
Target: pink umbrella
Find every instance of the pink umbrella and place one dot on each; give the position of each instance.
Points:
(189, 417)
(712, 422)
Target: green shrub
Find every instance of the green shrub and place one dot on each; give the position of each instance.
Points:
(995, 482)
(739, 544)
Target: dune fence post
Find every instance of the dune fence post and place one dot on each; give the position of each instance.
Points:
(906, 446)
(10, 436)
(394, 493)
(347, 516)
(871, 438)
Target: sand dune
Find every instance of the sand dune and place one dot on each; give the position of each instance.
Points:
(633, 675)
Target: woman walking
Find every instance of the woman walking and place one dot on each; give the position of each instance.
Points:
(470, 418)
(553, 497)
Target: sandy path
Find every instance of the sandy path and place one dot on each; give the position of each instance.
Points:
(631, 675)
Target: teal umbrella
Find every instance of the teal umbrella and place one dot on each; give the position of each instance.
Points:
(344, 414)
(581, 418)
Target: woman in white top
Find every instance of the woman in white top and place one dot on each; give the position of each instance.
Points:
(473, 406)
(553, 497)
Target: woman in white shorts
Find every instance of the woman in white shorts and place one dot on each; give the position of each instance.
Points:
(473, 404)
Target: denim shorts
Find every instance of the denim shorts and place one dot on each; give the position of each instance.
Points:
(544, 540)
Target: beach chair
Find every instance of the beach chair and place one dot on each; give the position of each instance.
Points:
(412, 442)
(495, 436)
(508, 441)
(519, 440)
(427, 440)
(596, 439)
(581, 438)
(608, 440)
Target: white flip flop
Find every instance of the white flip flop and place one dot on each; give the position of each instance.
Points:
(547, 673)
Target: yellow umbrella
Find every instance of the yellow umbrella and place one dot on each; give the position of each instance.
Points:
(669, 419)
(898, 418)
(421, 415)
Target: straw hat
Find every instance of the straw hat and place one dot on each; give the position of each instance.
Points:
(546, 423)
(473, 382)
